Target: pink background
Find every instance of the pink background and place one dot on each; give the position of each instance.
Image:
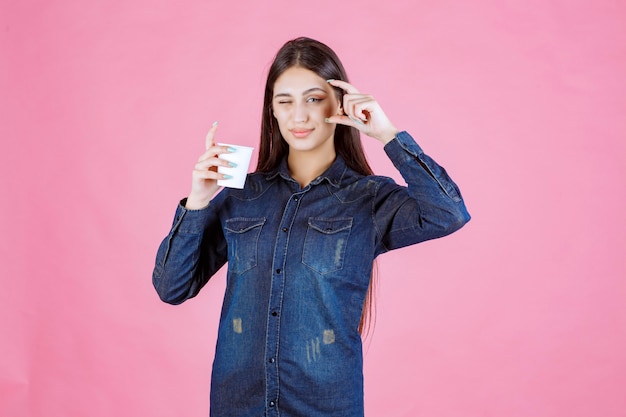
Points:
(103, 111)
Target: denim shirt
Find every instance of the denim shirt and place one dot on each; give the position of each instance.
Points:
(299, 265)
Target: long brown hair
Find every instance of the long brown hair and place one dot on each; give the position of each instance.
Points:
(319, 58)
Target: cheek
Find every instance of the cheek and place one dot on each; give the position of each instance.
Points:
(282, 123)
(280, 117)
(329, 109)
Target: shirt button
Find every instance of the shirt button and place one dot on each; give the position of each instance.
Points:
(278, 271)
(296, 198)
(274, 313)
(272, 360)
(272, 403)
(285, 229)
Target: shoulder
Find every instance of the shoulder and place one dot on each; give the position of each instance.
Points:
(356, 187)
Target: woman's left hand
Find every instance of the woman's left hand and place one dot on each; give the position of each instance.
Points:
(364, 113)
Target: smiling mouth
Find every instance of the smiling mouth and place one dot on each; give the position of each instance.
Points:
(301, 133)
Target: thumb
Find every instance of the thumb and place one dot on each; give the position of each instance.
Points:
(341, 120)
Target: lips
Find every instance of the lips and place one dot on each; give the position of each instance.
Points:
(301, 133)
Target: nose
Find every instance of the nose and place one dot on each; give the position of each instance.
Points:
(300, 113)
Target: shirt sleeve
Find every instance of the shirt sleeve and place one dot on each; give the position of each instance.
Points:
(193, 251)
(429, 207)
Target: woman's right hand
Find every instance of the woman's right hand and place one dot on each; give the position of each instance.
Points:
(204, 177)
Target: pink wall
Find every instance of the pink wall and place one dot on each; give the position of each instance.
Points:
(103, 111)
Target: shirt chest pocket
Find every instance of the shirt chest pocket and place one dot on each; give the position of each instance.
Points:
(242, 235)
(325, 244)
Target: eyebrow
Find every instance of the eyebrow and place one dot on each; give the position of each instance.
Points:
(310, 90)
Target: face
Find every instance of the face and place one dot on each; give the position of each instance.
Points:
(301, 102)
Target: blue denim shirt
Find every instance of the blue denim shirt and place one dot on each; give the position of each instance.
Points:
(299, 265)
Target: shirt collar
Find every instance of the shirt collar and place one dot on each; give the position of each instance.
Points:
(334, 174)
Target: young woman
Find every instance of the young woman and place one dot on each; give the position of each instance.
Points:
(300, 240)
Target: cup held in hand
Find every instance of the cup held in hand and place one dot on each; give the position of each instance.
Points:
(241, 158)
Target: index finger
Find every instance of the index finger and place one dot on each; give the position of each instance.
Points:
(208, 142)
(347, 87)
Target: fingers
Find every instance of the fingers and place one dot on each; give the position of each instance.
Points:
(206, 167)
(347, 87)
(210, 135)
(215, 151)
(209, 161)
(346, 120)
(362, 112)
(359, 107)
(205, 172)
(356, 106)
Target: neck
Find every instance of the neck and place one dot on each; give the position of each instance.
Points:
(305, 166)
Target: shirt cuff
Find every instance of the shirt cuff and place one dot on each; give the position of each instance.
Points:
(403, 148)
(190, 221)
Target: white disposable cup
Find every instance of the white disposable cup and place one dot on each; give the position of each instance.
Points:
(241, 157)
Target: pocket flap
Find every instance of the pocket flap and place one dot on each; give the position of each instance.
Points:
(242, 225)
(330, 226)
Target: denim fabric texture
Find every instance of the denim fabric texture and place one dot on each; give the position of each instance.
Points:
(299, 265)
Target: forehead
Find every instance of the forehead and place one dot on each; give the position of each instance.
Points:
(298, 80)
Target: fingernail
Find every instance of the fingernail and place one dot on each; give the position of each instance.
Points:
(330, 80)
(232, 164)
(214, 123)
(227, 177)
(326, 120)
(231, 149)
